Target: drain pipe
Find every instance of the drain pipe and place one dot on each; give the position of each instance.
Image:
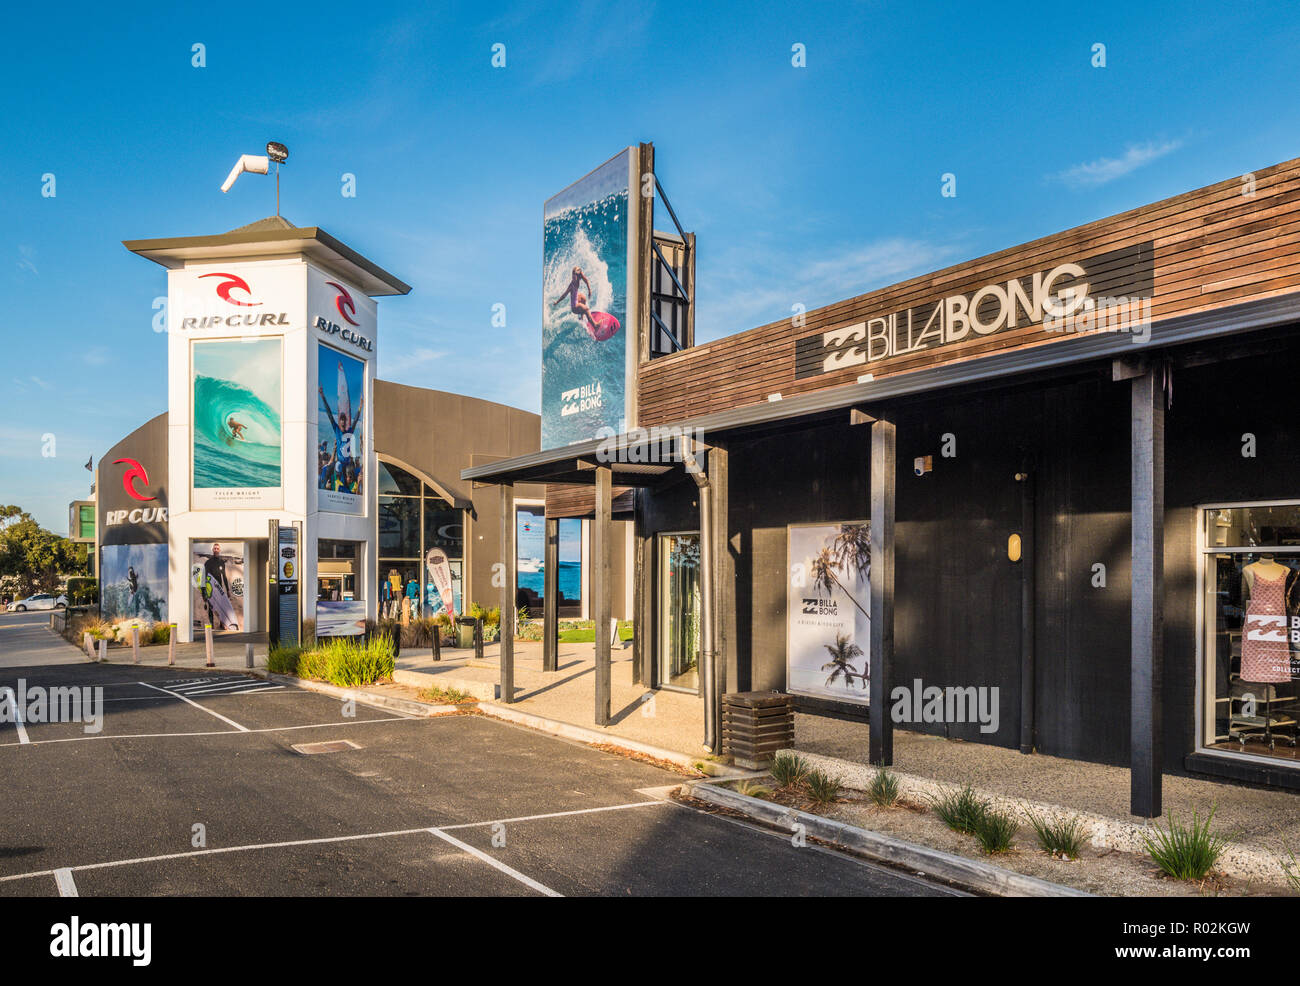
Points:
(708, 673)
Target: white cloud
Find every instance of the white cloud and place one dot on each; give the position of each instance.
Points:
(753, 286)
(1107, 169)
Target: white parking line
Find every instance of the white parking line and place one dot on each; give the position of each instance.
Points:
(225, 686)
(218, 715)
(67, 886)
(527, 881)
(23, 738)
(233, 732)
(327, 840)
(555, 814)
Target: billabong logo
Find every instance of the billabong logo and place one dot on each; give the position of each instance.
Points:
(344, 303)
(231, 282)
(137, 471)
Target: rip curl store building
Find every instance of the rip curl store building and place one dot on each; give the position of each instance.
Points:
(285, 483)
(1066, 471)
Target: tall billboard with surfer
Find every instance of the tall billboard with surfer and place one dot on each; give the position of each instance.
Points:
(236, 430)
(340, 431)
(586, 244)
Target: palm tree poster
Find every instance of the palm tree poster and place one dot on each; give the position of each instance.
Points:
(828, 610)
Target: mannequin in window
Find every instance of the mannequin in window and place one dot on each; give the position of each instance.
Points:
(1265, 650)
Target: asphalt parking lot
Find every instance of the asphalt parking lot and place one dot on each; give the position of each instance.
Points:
(193, 787)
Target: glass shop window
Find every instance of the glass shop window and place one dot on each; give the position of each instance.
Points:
(1251, 579)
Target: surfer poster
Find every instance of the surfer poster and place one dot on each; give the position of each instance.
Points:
(236, 424)
(340, 431)
(585, 346)
(828, 606)
(133, 582)
(217, 582)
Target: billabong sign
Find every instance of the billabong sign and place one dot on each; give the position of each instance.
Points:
(1057, 297)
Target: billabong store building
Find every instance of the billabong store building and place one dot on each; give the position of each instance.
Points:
(1059, 482)
(285, 487)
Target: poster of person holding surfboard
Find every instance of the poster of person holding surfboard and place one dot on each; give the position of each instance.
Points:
(340, 451)
(584, 311)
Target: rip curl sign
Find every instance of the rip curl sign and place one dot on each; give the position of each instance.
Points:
(134, 473)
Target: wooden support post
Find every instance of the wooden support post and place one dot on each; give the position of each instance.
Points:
(601, 569)
(248, 655)
(171, 645)
(1148, 508)
(135, 643)
(207, 645)
(1028, 675)
(644, 595)
(884, 440)
(508, 593)
(724, 580)
(551, 597)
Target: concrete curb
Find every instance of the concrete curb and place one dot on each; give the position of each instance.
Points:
(969, 874)
(392, 703)
(582, 734)
(1104, 832)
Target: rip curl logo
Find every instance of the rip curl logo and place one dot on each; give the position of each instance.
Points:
(129, 478)
(231, 282)
(344, 303)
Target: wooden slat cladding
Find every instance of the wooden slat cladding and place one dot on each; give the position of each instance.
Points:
(565, 500)
(1207, 248)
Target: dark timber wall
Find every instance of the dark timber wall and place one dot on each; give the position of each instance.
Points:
(958, 619)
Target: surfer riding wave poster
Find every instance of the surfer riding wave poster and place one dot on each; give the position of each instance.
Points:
(340, 442)
(584, 311)
(236, 423)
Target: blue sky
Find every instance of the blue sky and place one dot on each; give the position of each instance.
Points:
(804, 185)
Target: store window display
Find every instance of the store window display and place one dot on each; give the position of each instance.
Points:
(1252, 642)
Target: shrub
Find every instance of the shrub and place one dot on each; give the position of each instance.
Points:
(753, 789)
(994, 831)
(283, 660)
(445, 696)
(102, 630)
(1186, 852)
(883, 789)
(822, 787)
(1060, 837)
(1290, 867)
(162, 633)
(344, 661)
(961, 810)
(789, 769)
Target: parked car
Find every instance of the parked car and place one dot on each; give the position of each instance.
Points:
(42, 600)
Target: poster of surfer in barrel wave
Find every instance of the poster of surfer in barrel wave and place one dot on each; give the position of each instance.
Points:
(340, 442)
(584, 311)
(236, 423)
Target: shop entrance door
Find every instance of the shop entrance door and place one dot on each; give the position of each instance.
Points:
(678, 650)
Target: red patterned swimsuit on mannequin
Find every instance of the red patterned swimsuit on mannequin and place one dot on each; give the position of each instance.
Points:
(1265, 654)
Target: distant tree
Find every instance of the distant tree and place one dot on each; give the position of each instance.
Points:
(33, 559)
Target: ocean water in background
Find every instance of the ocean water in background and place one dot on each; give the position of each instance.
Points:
(570, 579)
(593, 236)
(220, 459)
